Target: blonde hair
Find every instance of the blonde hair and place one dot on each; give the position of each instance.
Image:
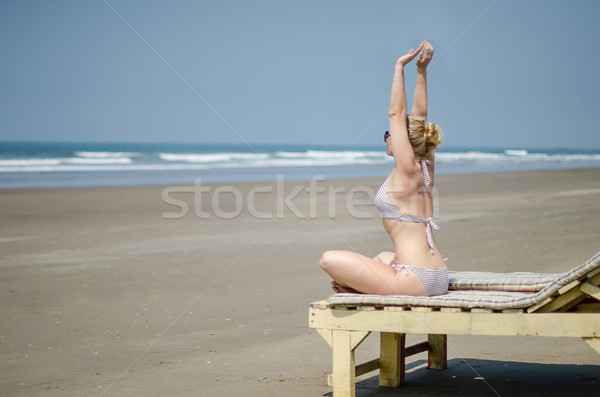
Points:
(424, 137)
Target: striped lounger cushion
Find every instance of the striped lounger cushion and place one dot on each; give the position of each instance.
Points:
(517, 282)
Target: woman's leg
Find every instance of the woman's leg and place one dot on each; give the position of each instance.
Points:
(369, 275)
(385, 257)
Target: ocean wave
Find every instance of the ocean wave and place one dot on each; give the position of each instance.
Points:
(320, 154)
(114, 167)
(166, 161)
(28, 162)
(16, 165)
(107, 154)
(115, 160)
(298, 162)
(516, 152)
(124, 165)
(513, 156)
(210, 157)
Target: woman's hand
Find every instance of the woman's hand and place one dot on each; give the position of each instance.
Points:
(412, 54)
(425, 56)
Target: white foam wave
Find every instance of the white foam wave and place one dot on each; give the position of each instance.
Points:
(114, 167)
(468, 156)
(107, 154)
(320, 154)
(28, 162)
(12, 165)
(515, 156)
(300, 162)
(117, 161)
(514, 152)
(122, 165)
(210, 157)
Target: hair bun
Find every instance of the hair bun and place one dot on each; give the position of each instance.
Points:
(433, 135)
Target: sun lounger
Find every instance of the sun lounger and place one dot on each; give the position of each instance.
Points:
(477, 303)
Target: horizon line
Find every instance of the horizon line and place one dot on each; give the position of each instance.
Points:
(304, 145)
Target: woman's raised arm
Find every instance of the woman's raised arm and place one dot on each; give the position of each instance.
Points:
(419, 108)
(401, 147)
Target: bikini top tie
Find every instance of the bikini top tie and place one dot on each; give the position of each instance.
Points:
(383, 204)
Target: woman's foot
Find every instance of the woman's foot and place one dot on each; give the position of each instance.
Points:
(342, 290)
(336, 287)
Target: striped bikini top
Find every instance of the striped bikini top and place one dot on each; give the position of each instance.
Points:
(383, 204)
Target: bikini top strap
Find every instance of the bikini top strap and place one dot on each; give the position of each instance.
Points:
(425, 170)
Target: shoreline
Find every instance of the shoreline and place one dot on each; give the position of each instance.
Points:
(101, 293)
(131, 178)
(288, 180)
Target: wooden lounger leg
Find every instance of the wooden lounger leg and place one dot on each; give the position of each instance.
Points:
(392, 359)
(344, 371)
(438, 352)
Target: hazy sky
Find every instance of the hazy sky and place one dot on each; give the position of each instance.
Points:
(505, 73)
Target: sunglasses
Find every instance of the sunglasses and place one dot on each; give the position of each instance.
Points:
(386, 136)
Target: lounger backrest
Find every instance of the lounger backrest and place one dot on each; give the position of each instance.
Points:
(519, 281)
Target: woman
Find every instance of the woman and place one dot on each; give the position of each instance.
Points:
(405, 200)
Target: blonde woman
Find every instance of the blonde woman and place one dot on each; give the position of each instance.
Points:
(416, 267)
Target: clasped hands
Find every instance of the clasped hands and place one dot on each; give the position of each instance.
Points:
(424, 54)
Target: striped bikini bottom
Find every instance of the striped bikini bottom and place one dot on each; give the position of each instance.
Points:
(435, 281)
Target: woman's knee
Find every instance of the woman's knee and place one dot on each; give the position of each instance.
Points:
(385, 257)
(325, 259)
(329, 259)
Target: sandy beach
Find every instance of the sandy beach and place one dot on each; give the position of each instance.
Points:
(204, 290)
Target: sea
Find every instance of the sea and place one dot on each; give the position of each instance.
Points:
(78, 164)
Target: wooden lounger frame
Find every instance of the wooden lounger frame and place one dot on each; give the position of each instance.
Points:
(566, 314)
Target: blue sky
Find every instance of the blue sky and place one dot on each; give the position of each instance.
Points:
(505, 74)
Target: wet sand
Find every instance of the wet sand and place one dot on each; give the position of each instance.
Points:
(204, 291)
